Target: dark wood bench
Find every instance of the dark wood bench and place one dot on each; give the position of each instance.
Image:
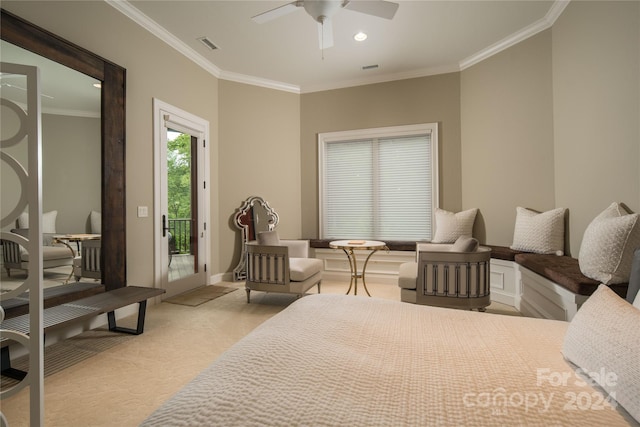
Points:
(75, 311)
(52, 296)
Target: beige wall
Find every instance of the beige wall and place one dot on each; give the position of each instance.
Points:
(71, 182)
(507, 137)
(260, 156)
(553, 122)
(70, 169)
(596, 92)
(153, 70)
(421, 100)
(513, 128)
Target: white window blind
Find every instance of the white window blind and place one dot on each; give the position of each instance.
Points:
(380, 187)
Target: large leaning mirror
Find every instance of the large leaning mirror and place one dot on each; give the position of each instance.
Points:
(253, 216)
(24, 35)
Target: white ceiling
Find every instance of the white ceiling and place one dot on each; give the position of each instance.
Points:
(424, 38)
(63, 90)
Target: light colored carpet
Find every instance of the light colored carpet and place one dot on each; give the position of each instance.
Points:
(200, 295)
(122, 384)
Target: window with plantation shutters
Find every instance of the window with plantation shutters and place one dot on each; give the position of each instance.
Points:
(378, 184)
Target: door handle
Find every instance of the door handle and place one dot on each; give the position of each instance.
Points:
(164, 226)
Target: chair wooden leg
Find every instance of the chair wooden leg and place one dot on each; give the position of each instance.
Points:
(248, 292)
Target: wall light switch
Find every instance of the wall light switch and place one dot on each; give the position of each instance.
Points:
(143, 211)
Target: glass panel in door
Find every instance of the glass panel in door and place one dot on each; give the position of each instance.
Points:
(182, 205)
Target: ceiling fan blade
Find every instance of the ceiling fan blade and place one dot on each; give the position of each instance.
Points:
(276, 13)
(325, 33)
(379, 8)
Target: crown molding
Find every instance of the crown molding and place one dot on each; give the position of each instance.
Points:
(257, 81)
(531, 30)
(383, 78)
(157, 30)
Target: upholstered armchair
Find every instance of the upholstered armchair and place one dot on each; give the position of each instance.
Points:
(448, 275)
(54, 253)
(275, 265)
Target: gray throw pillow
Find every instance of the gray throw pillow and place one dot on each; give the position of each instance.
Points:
(465, 244)
(634, 279)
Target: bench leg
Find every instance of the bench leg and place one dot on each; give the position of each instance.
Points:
(7, 370)
(142, 309)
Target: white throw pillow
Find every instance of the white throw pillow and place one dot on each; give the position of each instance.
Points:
(450, 226)
(95, 219)
(606, 252)
(603, 340)
(48, 221)
(268, 238)
(540, 233)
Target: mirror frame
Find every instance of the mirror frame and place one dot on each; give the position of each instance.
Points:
(19, 32)
(239, 273)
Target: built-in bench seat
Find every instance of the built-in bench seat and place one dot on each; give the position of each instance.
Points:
(565, 271)
(548, 286)
(76, 311)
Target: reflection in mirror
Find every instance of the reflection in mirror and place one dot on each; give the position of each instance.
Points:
(255, 215)
(71, 153)
(112, 123)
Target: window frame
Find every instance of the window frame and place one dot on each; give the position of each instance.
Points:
(376, 133)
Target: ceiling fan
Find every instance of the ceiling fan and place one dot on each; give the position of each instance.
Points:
(322, 11)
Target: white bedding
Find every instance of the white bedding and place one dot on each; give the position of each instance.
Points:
(354, 361)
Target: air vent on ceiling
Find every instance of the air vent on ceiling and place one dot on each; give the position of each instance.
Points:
(208, 43)
(369, 67)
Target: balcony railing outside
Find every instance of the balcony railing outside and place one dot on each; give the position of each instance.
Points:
(180, 229)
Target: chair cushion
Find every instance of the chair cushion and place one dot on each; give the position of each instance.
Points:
(301, 269)
(52, 252)
(408, 275)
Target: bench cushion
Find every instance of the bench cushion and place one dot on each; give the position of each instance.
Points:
(565, 271)
(301, 269)
(503, 252)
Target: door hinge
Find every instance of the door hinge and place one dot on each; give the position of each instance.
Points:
(205, 268)
(204, 143)
(204, 184)
(205, 226)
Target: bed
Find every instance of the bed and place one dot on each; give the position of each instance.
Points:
(335, 360)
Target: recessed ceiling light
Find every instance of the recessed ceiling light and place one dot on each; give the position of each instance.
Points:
(360, 37)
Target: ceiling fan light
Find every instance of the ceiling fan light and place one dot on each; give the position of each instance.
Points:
(360, 36)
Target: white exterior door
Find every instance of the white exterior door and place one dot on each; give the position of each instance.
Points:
(181, 199)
